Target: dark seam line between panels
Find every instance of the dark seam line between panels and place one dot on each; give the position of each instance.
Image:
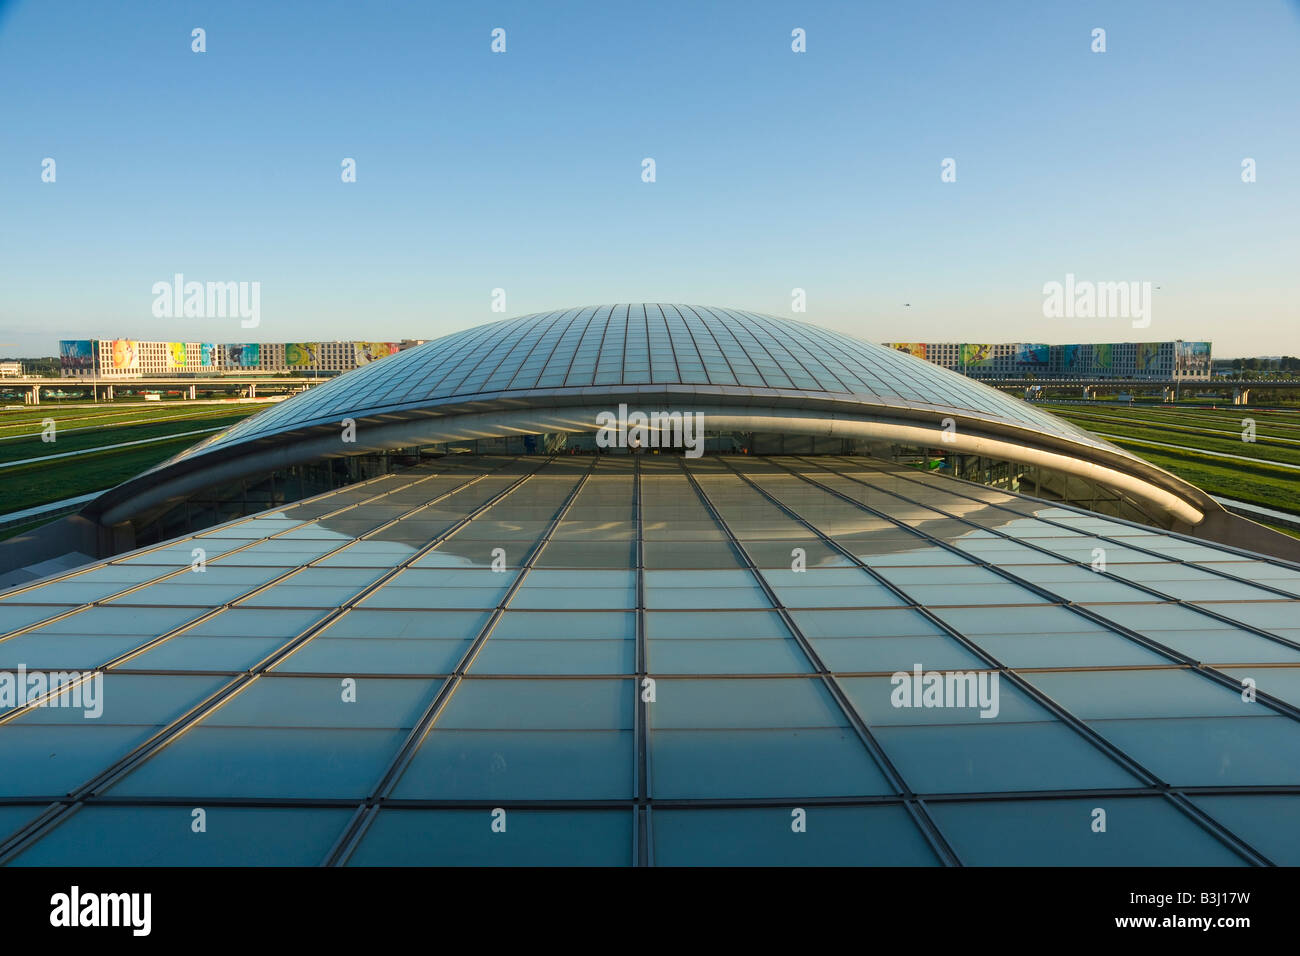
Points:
(750, 323)
(1100, 536)
(503, 346)
(577, 347)
(716, 344)
(627, 336)
(858, 800)
(1284, 708)
(1082, 608)
(695, 344)
(739, 352)
(600, 349)
(741, 322)
(853, 364)
(851, 369)
(708, 317)
(898, 592)
(1178, 535)
(1222, 833)
(121, 559)
(869, 374)
(975, 561)
(1119, 542)
(966, 558)
(1235, 843)
(457, 351)
(649, 349)
(228, 690)
(675, 675)
(649, 352)
(937, 842)
(369, 808)
(915, 808)
(574, 316)
(211, 611)
(668, 337)
(644, 823)
(175, 728)
(557, 318)
(622, 357)
(313, 563)
(524, 347)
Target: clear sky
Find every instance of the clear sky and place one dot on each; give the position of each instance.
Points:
(775, 170)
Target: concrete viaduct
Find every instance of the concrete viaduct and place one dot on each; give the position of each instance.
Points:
(105, 390)
(1238, 390)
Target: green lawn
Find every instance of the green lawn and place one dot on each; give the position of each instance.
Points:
(1267, 449)
(30, 420)
(1258, 483)
(20, 448)
(26, 486)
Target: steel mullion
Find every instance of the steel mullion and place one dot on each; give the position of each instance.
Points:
(643, 822)
(120, 560)
(983, 796)
(1078, 725)
(172, 730)
(1117, 542)
(327, 619)
(1087, 610)
(214, 610)
(348, 841)
(938, 843)
(117, 559)
(577, 345)
(1084, 512)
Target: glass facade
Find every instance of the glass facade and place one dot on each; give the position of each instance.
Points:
(647, 659)
(257, 492)
(642, 345)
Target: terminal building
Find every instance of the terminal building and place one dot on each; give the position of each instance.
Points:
(1161, 361)
(111, 359)
(464, 606)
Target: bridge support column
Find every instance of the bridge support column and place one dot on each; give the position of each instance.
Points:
(1241, 396)
(194, 392)
(1169, 393)
(252, 390)
(34, 396)
(108, 393)
(1090, 392)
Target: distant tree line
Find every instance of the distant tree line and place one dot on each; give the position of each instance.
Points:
(1287, 363)
(47, 365)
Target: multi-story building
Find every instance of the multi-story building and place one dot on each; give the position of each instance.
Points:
(1153, 360)
(607, 641)
(132, 358)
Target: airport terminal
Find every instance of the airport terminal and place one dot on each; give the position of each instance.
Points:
(461, 606)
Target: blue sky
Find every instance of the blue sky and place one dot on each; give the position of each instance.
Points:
(775, 170)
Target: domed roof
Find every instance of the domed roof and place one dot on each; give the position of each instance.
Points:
(643, 345)
(745, 372)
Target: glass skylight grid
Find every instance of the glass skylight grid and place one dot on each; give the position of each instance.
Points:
(358, 649)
